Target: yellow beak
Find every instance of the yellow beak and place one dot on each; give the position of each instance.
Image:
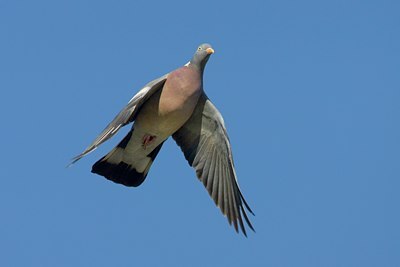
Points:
(210, 51)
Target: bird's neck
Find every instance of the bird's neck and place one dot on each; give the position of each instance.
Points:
(197, 64)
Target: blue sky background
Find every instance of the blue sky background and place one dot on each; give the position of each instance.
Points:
(310, 94)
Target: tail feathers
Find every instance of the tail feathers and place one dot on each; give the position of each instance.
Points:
(122, 172)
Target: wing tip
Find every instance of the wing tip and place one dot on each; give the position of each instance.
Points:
(237, 221)
(74, 160)
(84, 153)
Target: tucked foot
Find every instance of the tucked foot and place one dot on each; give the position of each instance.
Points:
(148, 140)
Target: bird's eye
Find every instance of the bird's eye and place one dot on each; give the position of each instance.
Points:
(199, 48)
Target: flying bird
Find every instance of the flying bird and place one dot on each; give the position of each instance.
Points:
(175, 105)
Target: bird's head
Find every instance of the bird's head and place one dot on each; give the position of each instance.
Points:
(202, 55)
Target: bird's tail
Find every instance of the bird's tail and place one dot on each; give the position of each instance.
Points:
(129, 172)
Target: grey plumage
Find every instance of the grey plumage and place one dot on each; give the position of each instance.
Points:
(205, 144)
(175, 104)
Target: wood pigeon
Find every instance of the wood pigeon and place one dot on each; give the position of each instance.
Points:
(175, 104)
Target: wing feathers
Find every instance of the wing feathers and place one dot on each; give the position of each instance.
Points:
(126, 115)
(206, 146)
(214, 185)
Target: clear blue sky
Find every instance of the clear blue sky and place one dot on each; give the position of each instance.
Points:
(310, 93)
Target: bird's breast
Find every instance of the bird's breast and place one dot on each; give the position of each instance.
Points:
(168, 109)
(181, 92)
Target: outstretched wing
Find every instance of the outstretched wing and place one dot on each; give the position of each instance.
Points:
(205, 144)
(126, 116)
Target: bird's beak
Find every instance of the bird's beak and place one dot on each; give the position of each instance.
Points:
(210, 51)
